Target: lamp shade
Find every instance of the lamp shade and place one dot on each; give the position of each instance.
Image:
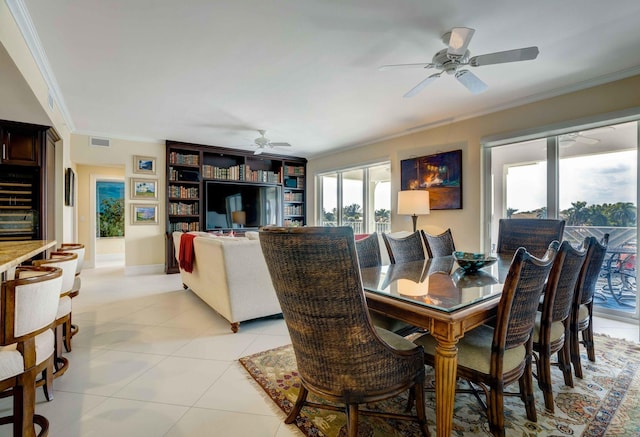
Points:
(413, 202)
(239, 217)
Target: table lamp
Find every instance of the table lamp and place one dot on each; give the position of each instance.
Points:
(239, 218)
(413, 203)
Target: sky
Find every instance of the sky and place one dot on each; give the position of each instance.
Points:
(353, 193)
(595, 179)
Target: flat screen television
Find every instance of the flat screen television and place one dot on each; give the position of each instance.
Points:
(235, 205)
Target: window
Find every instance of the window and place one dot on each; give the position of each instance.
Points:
(358, 197)
(589, 179)
(109, 209)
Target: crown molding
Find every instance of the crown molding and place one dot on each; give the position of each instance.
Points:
(25, 25)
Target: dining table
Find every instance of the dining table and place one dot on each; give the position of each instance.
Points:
(439, 296)
(14, 253)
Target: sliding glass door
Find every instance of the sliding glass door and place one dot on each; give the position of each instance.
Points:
(589, 179)
(358, 197)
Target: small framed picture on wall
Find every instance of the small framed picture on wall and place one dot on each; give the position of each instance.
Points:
(144, 189)
(144, 164)
(144, 214)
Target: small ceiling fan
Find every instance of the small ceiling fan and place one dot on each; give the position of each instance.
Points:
(456, 56)
(263, 142)
(569, 139)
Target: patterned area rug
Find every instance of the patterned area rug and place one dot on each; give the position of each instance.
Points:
(605, 402)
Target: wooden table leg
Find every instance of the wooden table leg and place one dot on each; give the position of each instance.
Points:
(446, 361)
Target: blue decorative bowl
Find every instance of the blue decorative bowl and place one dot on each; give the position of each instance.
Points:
(471, 262)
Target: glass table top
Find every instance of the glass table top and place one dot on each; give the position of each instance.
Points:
(437, 283)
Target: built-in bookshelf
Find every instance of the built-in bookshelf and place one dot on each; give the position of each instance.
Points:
(191, 168)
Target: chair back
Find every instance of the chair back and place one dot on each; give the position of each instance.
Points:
(439, 245)
(66, 261)
(561, 285)
(29, 302)
(591, 269)
(76, 248)
(518, 304)
(368, 249)
(404, 249)
(315, 274)
(535, 235)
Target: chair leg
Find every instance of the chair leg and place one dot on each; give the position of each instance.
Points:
(564, 362)
(587, 336)
(495, 411)
(67, 334)
(544, 380)
(418, 392)
(526, 391)
(302, 397)
(352, 420)
(24, 404)
(575, 353)
(47, 377)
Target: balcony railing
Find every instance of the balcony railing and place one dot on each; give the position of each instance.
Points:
(358, 226)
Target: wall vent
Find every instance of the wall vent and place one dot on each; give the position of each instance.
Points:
(99, 142)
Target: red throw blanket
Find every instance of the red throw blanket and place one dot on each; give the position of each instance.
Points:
(186, 252)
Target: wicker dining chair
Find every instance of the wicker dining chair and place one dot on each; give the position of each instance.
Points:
(532, 234)
(404, 249)
(581, 322)
(28, 310)
(439, 245)
(368, 250)
(551, 333)
(341, 356)
(495, 357)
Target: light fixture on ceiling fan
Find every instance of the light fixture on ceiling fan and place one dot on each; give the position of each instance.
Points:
(263, 142)
(456, 56)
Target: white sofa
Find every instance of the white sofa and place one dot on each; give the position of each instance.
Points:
(231, 276)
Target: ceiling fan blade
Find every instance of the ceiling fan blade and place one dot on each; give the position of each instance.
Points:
(587, 140)
(416, 89)
(524, 54)
(399, 66)
(459, 41)
(280, 144)
(471, 81)
(258, 151)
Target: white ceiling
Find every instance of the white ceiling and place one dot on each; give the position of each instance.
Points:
(214, 72)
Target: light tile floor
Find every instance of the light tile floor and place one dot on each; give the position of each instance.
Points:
(151, 359)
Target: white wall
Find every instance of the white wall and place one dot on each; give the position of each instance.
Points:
(144, 244)
(466, 224)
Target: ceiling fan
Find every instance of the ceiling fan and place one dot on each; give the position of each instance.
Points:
(456, 56)
(569, 139)
(584, 137)
(263, 142)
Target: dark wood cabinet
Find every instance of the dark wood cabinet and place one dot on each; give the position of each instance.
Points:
(27, 181)
(199, 176)
(21, 143)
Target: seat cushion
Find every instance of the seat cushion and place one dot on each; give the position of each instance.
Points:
(557, 330)
(11, 363)
(64, 307)
(394, 340)
(474, 350)
(583, 314)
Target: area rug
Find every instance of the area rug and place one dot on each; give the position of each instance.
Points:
(605, 402)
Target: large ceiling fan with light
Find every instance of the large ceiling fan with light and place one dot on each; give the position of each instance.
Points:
(263, 143)
(455, 59)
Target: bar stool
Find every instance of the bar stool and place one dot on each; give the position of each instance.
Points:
(28, 311)
(66, 261)
(78, 249)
